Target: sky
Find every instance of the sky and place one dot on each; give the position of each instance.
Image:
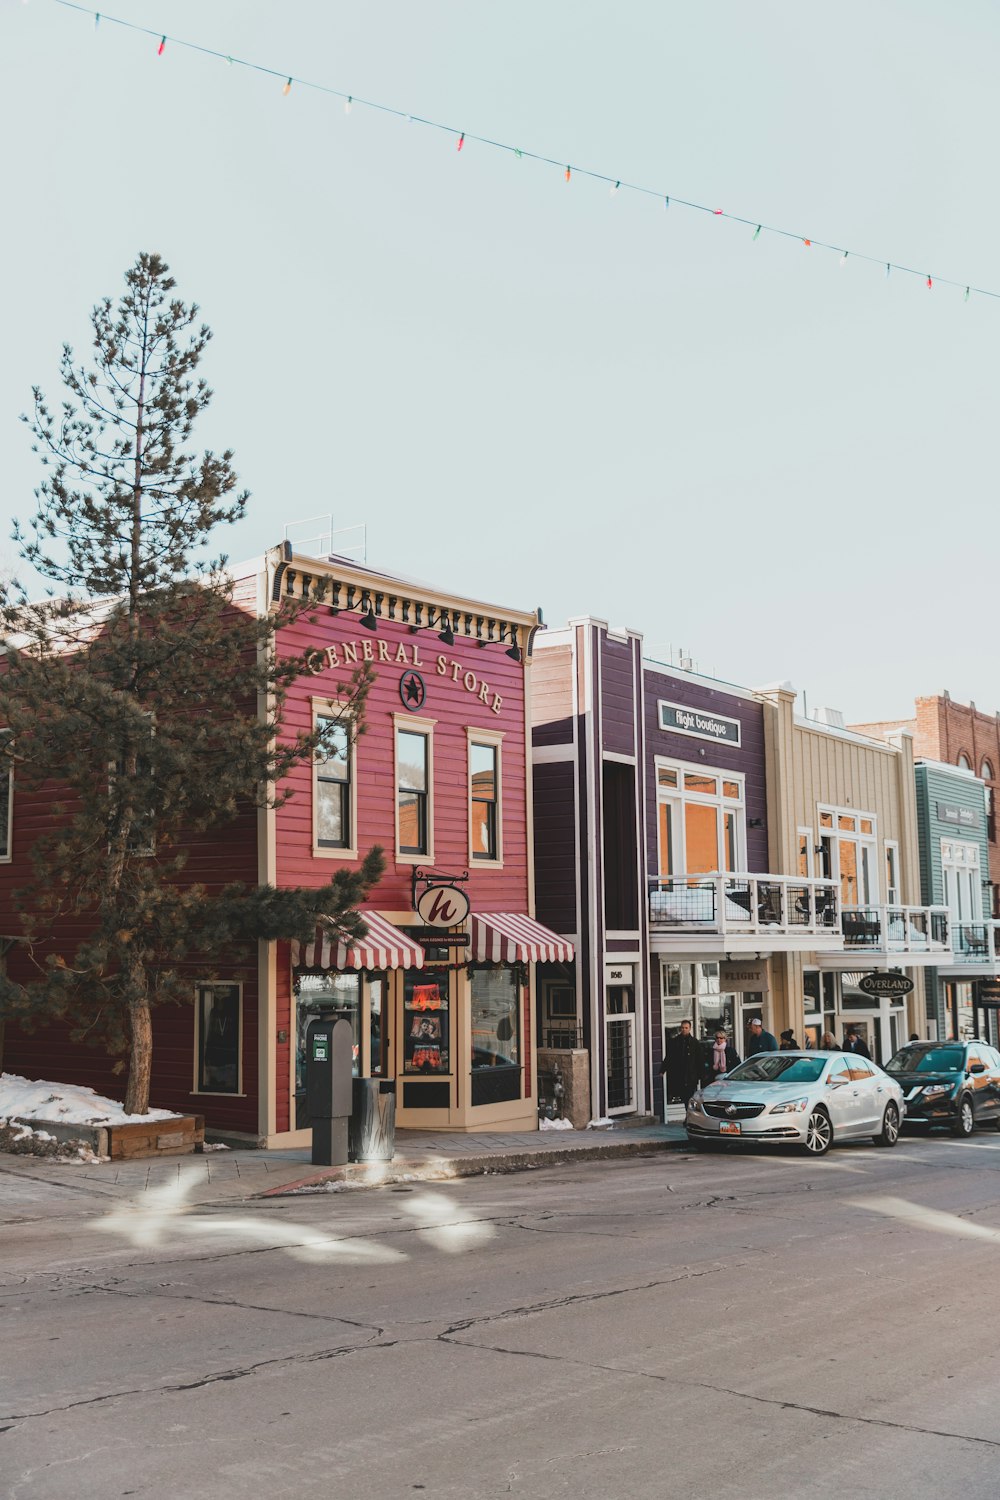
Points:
(530, 390)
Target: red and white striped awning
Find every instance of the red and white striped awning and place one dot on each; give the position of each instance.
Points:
(385, 947)
(504, 937)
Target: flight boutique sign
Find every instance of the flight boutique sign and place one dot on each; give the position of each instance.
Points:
(698, 724)
(352, 653)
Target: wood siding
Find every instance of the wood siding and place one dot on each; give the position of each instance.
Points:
(552, 694)
(555, 846)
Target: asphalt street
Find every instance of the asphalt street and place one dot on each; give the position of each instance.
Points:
(726, 1325)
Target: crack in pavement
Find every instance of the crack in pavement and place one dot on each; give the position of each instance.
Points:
(165, 1294)
(240, 1372)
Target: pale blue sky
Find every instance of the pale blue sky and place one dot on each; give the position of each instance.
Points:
(532, 391)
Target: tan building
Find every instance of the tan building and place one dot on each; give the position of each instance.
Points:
(842, 808)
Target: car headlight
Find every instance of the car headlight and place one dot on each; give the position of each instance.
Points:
(790, 1107)
(931, 1090)
(696, 1104)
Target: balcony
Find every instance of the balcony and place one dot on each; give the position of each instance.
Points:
(736, 913)
(974, 950)
(892, 936)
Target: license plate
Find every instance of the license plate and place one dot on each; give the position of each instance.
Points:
(728, 1129)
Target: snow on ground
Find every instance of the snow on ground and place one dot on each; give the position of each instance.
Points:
(66, 1103)
(545, 1124)
(21, 1140)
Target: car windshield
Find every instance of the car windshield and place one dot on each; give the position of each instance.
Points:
(778, 1067)
(927, 1060)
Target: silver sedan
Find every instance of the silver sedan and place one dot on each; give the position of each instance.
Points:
(813, 1098)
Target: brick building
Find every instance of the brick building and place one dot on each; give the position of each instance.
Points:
(956, 734)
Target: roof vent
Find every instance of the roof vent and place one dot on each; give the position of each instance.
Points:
(833, 717)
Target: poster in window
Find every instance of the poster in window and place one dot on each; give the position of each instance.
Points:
(425, 1027)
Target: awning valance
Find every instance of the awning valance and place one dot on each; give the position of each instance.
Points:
(507, 937)
(385, 947)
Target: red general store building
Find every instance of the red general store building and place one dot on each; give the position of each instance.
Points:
(441, 997)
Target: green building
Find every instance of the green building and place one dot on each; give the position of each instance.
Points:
(963, 993)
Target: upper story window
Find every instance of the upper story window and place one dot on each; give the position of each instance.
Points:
(963, 762)
(963, 894)
(701, 820)
(484, 798)
(805, 860)
(333, 785)
(847, 842)
(414, 811)
(986, 771)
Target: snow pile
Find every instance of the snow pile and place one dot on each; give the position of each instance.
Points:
(544, 1124)
(214, 1146)
(602, 1124)
(66, 1103)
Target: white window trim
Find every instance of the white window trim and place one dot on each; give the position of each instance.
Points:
(897, 899)
(679, 795)
(807, 834)
(218, 1093)
(494, 739)
(327, 708)
(958, 867)
(410, 722)
(835, 834)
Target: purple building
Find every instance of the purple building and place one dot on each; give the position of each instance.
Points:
(651, 853)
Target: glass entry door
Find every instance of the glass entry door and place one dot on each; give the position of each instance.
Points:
(620, 1049)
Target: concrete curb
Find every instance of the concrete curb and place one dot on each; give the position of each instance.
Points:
(444, 1169)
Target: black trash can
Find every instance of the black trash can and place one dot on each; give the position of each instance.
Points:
(371, 1130)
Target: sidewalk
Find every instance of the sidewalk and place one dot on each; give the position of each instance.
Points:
(421, 1156)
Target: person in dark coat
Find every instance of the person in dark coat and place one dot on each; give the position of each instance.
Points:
(722, 1056)
(683, 1065)
(788, 1042)
(853, 1043)
(760, 1040)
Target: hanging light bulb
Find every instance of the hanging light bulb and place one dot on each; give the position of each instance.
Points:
(929, 283)
(160, 49)
(807, 243)
(756, 233)
(843, 258)
(288, 87)
(568, 174)
(97, 19)
(966, 297)
(614, 188)
(347, 104)
(461, 141)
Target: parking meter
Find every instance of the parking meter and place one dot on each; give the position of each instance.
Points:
(329, 1059)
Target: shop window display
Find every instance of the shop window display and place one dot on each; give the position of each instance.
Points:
(425, 1025)
(495, 1018)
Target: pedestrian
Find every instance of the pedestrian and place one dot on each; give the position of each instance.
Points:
(723, 1056)
(788, 1042)
(760, 1040)
(853, 1043)
(828, 1042)
(683, 1065)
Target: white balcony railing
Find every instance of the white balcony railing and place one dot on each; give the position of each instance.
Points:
(975, 943)
(896, 929)
(743, 905)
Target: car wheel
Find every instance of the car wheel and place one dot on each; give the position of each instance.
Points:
(889, 1134)
(819, 1133)
(964, 1122)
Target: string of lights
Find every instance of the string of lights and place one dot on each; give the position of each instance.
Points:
(569, 170)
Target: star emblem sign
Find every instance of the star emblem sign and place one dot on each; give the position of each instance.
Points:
(412, 690)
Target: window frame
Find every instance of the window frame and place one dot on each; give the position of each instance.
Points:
(493, 740)
(806, 834)
(861, 841)
(956, 868)
(411, 724)
(678, 798)
(325, 708)
(200, 987)
(893, 892)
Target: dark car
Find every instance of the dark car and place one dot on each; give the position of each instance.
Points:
(949, 1083)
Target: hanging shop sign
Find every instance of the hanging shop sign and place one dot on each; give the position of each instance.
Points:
(442, 906)
(961, 817)
(749, 978)
(895, 986)
(699, 724)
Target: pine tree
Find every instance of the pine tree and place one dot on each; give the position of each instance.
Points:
(139, 697)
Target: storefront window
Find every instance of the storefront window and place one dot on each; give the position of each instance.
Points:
(425, 1024)
(495, 1018)
(377, 1033)
(219, 1026)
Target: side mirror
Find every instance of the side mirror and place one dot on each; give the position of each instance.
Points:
(977, 1067)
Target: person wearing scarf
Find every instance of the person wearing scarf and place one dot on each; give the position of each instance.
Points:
(724, 1056)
